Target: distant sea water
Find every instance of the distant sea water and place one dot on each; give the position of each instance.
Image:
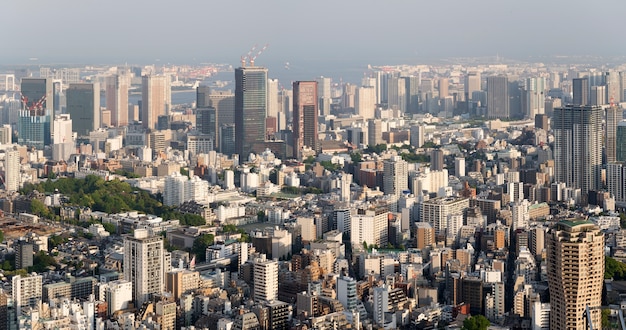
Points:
(286, 73)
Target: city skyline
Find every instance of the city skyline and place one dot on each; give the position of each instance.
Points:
(491, 28)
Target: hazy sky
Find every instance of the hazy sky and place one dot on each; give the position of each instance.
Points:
(323, 31)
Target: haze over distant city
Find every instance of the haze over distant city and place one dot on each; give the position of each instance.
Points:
(305, 33)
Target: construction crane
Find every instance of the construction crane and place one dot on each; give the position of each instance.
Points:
(244, 58)
(35, 108)
(257, 54)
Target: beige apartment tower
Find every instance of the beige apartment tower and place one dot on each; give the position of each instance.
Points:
(116, 93)
(156, 99)
(575, 273)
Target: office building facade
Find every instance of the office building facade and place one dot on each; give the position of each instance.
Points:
(305, 112)
(578, 146)
(250, 108)
(156, 99)
(83, 106)
(34, 125)
(116, 94)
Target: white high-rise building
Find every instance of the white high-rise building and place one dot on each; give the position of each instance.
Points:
(63, 140)
(145, 263)
(346, 293)
(265, 279)
(174, 192)
(229, 180)
(396, 93)
(324, 95)
(342, 218)
(119, 294)
(369, 226)
(616, 182)
(435, 211)
(12, 182)
(180, 189)
(417, 135)
(381, 304)
(365, 104)
(395, 176)
(26, 291)
(459, 167)
(272, 98)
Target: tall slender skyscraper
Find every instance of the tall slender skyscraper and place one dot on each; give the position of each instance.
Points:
(12, 170)
(34, 125)
(396, 93)
(472, 84)
(250, 108)
(305, 113)
(580, 91)
(83, 105)
(613, 117)
(265, 279)
(577, 147)
(202, 96)
(156, 99)
(395, 176)
(620, 142)
(116, 93)
(324, 95)
(144, 265)
(575, 273)
(498, 97)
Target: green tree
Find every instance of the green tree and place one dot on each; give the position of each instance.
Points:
(476, 322)
(200, 244)
(260, 216)
(614, 269)
(356, 157)
(39, 208)
(606, 324)
(379, 148)
(1, 236)
(109, 227)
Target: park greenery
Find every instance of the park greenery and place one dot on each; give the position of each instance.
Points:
(476, 322)
(106, 196)
(614, 269)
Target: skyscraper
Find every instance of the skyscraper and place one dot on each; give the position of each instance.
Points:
(613, 117)
(365, 102)
(577, 146)
(472, 84)
(616, 182)
(250, 108)
(580, 91)
(436, 160)
(395, 176)
(498, 97)
(620, 142)
(144, 265)
(156, 99)
(575, 273)
(83, 105)
(324, 95)
(442, 85)
(305, 116)
(206, 123)
(203, 99)
(396, 93)
(116, 93)
(34, 125)
(12, 170)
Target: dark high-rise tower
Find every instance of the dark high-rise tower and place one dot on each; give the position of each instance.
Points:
(83, 105)
(250, 108)
(578, 147)
(498, 97)
(35, 118)
(613, 117)
(202, 96)
(305, 116)
(206, 123)
(580, 91)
